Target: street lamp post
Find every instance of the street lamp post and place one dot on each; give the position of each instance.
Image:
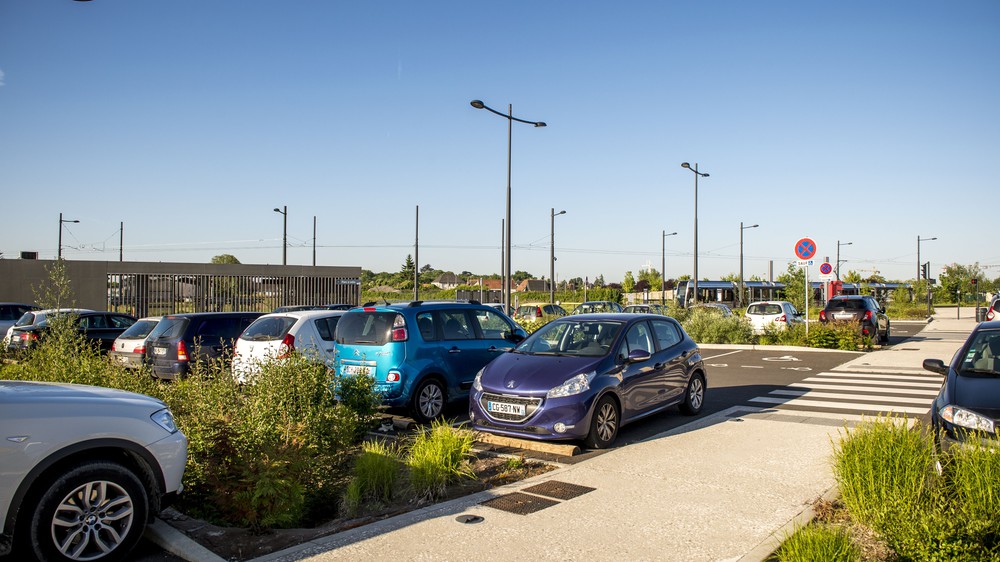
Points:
(919, 240)
(742, 285)
(509, 116)
(663, 265)
(61, 221)
(839, 244)
(552, 258)
(284, 238)
(695, 276)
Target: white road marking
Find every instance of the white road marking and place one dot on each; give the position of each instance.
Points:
(894, 376)
(752, 366)
(782, 358)
(841, 396)
(722, 355)
(804, 369)
(884, 389)
(822, 378)
(840, 405)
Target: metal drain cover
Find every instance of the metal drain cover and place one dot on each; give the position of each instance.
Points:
(558, 490)
(521, 504)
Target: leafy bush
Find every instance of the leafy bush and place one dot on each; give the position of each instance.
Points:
(818, 542)
(888, 481)
(376, 471)
(438, 456)
(705, 326)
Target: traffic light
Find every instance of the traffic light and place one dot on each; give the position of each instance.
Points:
(925, 270)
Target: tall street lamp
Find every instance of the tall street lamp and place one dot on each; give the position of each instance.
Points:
(743, 285)
(663, 265)
(839, 244)
(696, 175)
(509, 116)
(61, 221)
(552, 258)
(919, 240)
(284, 238)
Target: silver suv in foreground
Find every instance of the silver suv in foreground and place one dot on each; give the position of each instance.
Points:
(84, 468)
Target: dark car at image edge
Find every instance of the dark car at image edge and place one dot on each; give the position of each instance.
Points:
(968, 406)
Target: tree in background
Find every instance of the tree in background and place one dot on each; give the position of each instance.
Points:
(795, 286)
(652, 278)
(226, 259)
(957, 278)
(599, 280)
(628, 284)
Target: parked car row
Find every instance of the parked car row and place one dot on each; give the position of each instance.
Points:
(99, 327)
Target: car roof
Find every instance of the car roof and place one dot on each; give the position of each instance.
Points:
(611, 316)
(305, 314)
(203, 314)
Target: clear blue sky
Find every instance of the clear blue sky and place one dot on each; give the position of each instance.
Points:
(865, 122)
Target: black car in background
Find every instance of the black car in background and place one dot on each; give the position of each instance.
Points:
(180, 339)
(968, 406)
(101, 328)
(864, 310)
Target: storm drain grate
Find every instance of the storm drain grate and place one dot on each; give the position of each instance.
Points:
(518, 503)
(559, 490)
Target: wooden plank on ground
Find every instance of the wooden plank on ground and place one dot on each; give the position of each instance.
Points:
(562, 449)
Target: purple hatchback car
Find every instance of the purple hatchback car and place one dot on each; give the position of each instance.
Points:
(583, 377)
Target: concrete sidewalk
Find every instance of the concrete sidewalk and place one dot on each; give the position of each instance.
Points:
(725, 487)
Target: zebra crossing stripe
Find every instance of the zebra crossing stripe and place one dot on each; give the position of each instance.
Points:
(839, 396)
(841, 405)
(890, 376)
(934, 385)
(867, 389)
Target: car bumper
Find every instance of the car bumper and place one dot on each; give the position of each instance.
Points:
(573, 413)
(170, 371)
(171, 453)
(127, 359)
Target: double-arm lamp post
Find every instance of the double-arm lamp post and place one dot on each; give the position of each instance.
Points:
(509, 116)
(284, 238)
(695, 276)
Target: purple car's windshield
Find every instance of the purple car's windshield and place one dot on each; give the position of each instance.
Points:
(591, 338)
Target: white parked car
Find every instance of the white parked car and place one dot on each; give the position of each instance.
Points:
(277, 335)
(84, 468)
(777, 314)
(11, 312)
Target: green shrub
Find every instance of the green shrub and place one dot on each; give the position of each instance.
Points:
(888, 482)
(814, 543)
(706, 326)
(437, 457)
(376, 471)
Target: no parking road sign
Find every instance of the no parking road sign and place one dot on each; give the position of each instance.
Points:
(825, 270)
(805, 249)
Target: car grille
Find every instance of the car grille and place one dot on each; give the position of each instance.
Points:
(487, 424)
(530, 405)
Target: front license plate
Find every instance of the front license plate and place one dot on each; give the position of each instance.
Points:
(505, 408)
(159, 351)
(359, 370)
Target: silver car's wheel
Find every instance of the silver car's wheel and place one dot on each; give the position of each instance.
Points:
(604, 424)
(428, 401)
(95, 512)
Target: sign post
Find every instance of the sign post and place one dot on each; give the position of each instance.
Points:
(805, 249)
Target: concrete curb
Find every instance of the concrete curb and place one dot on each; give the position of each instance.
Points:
(177, 543)
(764, 550)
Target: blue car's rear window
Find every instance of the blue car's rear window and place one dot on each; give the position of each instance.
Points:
(365, 328)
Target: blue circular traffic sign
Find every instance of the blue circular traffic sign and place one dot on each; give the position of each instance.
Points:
(805, 249)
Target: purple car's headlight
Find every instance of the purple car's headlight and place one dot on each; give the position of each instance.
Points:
(477, 383)
(575, 385)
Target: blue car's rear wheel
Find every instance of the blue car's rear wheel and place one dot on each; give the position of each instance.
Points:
(428, 400)
(604, 424)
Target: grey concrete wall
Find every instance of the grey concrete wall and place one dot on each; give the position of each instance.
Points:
(23, 280)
